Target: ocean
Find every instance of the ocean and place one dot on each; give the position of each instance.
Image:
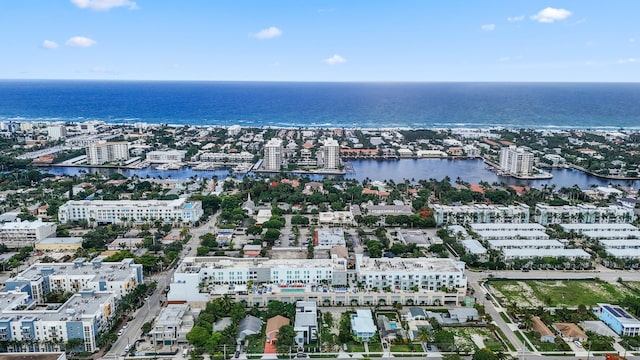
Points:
(327, 105)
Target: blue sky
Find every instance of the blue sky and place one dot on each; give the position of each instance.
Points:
(307, 40)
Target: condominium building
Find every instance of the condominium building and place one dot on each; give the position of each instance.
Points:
(584, 214)
(430, 274)
(480, 213)
(25, 233)
(107, 152)
(243, 156)
(331, 152)
(166, 156)
(273, 151)
(56, 132)
(418, 280)
(137, 211)
(30, 325)
(516, 161)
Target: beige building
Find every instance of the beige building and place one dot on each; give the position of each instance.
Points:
(59, 244)
(103, 152)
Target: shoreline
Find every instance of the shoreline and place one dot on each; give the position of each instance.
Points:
(301, 126)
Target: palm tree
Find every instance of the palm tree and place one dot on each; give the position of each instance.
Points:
(424, 335)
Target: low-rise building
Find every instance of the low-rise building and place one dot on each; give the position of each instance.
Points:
(619, 320)
(273, 328)
(328, 238)
(306, 323)
(165, 156)
(480, 213)
(570, 332)
(584, 214)
(135, 211)
(546, 335)
(59, 243)
(362, 326)
(19, 234)
(172, 325)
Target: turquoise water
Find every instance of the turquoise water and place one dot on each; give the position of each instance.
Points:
(292, 290)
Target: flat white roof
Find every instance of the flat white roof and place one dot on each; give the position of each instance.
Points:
(473, 246)
(555, 253)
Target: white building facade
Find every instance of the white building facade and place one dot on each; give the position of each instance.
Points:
(25, 233)
(165, 157)
(102, 152)
(516, 161)
(273, 151)
(137, 211)
(331, 151)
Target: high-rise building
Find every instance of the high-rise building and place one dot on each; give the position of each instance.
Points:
(102, 152)
(273, 155)
(516, 161)
(331, 154)
(56, 132)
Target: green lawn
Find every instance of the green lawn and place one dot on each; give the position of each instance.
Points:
(533, 293)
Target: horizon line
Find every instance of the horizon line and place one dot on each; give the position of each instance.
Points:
(334, 82)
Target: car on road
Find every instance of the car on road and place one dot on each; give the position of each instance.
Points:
(237, 354)
(578, 343)
(301, 356)
(120, 332)
(125, 326)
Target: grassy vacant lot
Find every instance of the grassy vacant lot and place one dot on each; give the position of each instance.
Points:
(571, 293)
(469, 339)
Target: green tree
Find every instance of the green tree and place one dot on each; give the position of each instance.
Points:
(286, 339)
(484, 354)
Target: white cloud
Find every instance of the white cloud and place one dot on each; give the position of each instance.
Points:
(488, 27)
(515, 18)
(549, 15)
(80, 41)
(268, 33)
(335, 59)
(104, 4)
(49, 44)
(628, 61)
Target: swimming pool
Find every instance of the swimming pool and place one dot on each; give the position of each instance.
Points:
(292, 290)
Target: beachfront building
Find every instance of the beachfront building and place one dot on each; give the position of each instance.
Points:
(584, 214)
(19, 234)
(28, 324)
(136, 211)
(166, 156)
(331, 151)
(102, 152)
(619, 320)
(425, 281)
(516, 161)
(56, 132)
(273, 151)
(480, 213)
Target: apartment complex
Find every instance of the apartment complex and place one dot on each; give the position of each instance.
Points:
(584, 214)
(137, 211)
(25, 233)
(418, 280)
(103, 152)
(273, 151)
(30, 324)
(166, 156)
(480, 213)
(516, 161)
